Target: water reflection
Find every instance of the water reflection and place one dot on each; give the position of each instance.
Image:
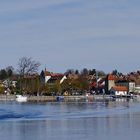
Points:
(78, 120)
(91, 128)
(63, 110)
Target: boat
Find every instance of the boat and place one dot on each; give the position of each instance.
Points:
(20, 98)
(59, 98)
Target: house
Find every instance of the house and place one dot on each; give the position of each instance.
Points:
(109, 83)
(51, 78)
(98, 85)
(137, 89)
(127, 83)
(119, 84)
(119, 90)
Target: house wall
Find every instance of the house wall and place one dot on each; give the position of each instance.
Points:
(126, 84)
(132, 86)
(111, 84)
(137, 89)
(62, 80)
(118, 93)
(108, 85)
(47, 78)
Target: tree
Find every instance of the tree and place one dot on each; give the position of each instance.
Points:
(76, 72)
(85, 72)
(1, 89)
(3, 74)
(57, 87)
(66, 85)
(92, 72)
(69, 71)
(79, 84)
(115, 72)
(42, 77)
(9, 71)
(27, 66)
(101, 73)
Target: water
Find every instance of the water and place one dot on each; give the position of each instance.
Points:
(98, 120)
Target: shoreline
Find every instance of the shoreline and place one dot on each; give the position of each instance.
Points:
(59, 98)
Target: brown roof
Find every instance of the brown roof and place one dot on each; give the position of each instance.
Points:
(111, 77)
(56, 75)
(120, 88)
(47, 73)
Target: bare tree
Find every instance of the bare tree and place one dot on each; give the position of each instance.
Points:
(27, 66)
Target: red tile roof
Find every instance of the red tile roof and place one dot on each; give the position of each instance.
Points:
(111, 77)
(47, 73)
(120, 88)
(56, 75)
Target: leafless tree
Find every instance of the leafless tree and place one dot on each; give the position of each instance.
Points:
(27, 66)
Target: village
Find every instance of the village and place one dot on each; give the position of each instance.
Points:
(72, 83)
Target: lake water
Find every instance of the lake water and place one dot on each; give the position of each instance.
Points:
(97, 120)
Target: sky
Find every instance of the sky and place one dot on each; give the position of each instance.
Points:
(66, 34)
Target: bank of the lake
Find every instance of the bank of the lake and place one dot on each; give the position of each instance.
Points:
(57, 98)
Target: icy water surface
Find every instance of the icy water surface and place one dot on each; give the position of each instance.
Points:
(98, 120)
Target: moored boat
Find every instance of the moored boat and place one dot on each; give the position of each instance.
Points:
(20, 98)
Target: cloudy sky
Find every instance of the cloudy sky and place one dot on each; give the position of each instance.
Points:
(63, 34)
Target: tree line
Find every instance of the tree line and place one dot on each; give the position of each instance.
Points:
(28, 80)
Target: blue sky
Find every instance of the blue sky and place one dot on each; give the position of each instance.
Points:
(63, 34)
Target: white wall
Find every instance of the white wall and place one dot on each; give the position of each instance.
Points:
(120, 92)
(47, 78)
(61, 81)
(131, 86)
(137, 89)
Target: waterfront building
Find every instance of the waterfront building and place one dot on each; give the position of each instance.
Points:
(137, 89)
(119, 90)
(50, 77)
(109, 83)
(129, 84)
(119, 85)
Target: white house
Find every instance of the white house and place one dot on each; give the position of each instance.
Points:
(137, 89)
(50, 77)
(119, 90)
